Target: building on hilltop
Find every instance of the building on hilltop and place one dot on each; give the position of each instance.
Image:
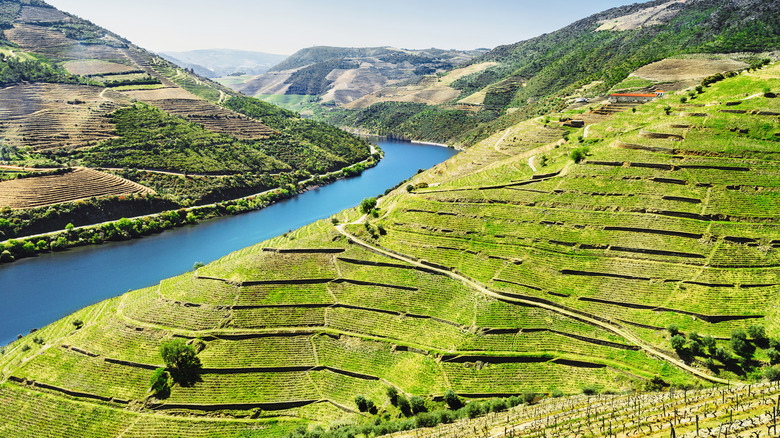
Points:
(635, 97)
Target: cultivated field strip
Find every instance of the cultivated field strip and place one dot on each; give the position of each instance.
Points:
(55, 116)
(744, 410)
(81, 183)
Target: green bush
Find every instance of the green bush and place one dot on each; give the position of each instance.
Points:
(452, 400)
(417, 404)
(474, 409)
(403, 404)
(367, 205)
(182, 360)
(578, 154)
(772, 374)
(392, 395)
(160, 383)
(590, 390)
(77, 323)
(678, 343)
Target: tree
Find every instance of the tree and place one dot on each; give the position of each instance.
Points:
(367, 205)
(772, 374)
(773, 355)
(160, 383)
(678, 343)
(452, 399)
(758, 333)
(417, 404)
(182, 361)
(740, 345)
(6, 257)
(362, 403)
(392, 394)
(403, 404)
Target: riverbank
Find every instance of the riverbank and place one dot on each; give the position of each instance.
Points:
(39, 290)
(137, 227)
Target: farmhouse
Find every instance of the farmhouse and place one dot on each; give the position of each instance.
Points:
(635, 97)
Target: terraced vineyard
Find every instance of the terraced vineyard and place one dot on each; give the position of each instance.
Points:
(489, 278)
(74, 94)
(81, 183)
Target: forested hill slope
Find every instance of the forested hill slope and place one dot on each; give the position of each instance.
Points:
(75, 94)
(533, 77)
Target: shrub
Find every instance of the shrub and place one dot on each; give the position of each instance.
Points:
(334, 220)
(361, 403)
(182, 360)
(498, 405)
(417, 404)
(758, 334)
(160, 383)
(367, 205)
(6, 256)
(772, 374)
(678, 343)
(445, 417)
(590, 390)
(403, 404)
(578, 154)
(667, 110)
(774, 355)
(673, 329)
(426, 420)
(25, 347)
(556, 393)
(655, 384)
(529, 397)
(452, 400)
(740, 345)
(392, 394)
(474, 409)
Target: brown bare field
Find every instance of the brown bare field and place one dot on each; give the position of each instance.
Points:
(214, 118)
(431, 90)
(81, 183)
(35, 14)
(51, 116)
(686, 69)
(88, 67)
(160, 94)
(267, 83)
(55, 44)
(646, 17)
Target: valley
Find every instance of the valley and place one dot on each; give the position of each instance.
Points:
(600, 259)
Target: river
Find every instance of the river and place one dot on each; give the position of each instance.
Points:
(37, 291)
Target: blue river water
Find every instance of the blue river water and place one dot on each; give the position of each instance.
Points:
(37, 291)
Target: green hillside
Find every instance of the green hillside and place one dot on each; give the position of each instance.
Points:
(93, 99)
(536, 76)
(639, 253)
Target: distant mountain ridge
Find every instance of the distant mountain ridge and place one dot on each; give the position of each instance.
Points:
(535, 76)
(215, 63)
(342, 75)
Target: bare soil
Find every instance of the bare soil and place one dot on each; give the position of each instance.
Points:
(671, 70)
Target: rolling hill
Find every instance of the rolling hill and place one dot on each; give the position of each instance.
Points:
(340, 75)
(216, 63)
(609, 268)
(514, 82)
(544, 261)
(76, 95)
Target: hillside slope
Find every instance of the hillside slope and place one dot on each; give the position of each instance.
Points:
(536, 76)
(340, 75)
(527, 265)
(74, 94)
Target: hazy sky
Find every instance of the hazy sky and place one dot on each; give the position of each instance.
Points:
(285, 26)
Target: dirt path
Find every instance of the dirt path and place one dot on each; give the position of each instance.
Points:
(649, 349)
(531, 163)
